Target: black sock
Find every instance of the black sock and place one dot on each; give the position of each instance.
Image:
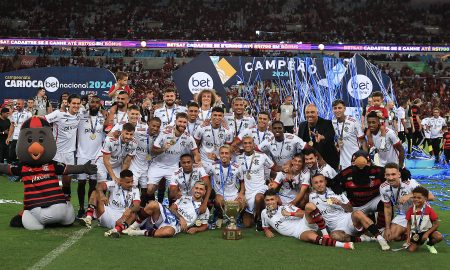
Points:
(355, 239)
(92, 184)
(67, 191)
(81, 192)
(373, 230)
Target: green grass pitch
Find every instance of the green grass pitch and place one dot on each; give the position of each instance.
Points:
(22, 249)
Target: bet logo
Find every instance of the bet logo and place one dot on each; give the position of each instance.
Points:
(199, 81)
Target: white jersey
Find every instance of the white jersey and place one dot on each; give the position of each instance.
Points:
(189, 210)
(168, 115)
(119, 198)
(65, 127)
(225, 180)
(288, 187)
(90, 135)
(186, 181)
(258, 136)
(282, 152)
(325, 170)
(349, 131)
(426, 127)
(117, 150)
(192, 127)
(388, 154)
(287, 226)
(143, 156)
(140, 128)
(331, 213)
(400, 114)
(17, 119)
(180, 145)
(120, 117)
(391, 195)
(239, 125)
(204, 114)
(436, 125)
(212, 139)
(253, 167)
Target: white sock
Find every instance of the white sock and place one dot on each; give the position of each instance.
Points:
(339, 244)
(324, 232)
(380, 237)
(135, 225)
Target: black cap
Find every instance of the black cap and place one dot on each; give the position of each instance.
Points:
(360, 153)
(5, 110)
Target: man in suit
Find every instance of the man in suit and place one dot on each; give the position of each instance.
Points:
(319, 133)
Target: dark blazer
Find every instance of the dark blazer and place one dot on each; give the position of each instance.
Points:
(326, 148)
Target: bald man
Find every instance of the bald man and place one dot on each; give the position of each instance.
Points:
(319, 133)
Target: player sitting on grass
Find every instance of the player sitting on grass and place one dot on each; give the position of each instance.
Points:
(337, 213)
(289, 220)
(113, 212)
(422, 223)
(156, 220)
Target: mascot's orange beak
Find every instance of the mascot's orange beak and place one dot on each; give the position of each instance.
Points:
(36, 150)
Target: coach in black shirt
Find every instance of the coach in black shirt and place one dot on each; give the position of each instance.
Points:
(319, 133)
(4, 129)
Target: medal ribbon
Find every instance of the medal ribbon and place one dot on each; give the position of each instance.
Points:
(125, 203)
(237, 131)
(259, 138)
(93, 128)
(187, 187)
(394, 200)
(251, 163)
(214, 136)
(167, 114)
(421, 217)
(223, 182)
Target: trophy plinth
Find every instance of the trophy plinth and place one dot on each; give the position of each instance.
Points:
(231, 231)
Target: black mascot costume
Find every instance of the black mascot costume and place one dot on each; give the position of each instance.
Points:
(44, 201)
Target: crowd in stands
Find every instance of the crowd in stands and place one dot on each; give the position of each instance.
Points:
(275, 20)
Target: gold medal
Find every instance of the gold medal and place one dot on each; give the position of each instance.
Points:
(341, 142)
(249, 176)
(311, 143)
(198, 223)
(329, 201)
(93, 136)
(172, 142)
(148, 157)
(415, 237)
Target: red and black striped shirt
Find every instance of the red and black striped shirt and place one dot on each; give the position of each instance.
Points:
(359, 195)
(40, 184)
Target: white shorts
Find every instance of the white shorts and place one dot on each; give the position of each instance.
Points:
(36, 218)
(166, 219)
(370, 207)
(228, 197)
(156, 173)
(102, 173)
(250, 199)
(400, 220)
(83, 176)
(66, 158)
(304, 226)
(285, 199)
(346, 225)
(109, 217)
(140, 178)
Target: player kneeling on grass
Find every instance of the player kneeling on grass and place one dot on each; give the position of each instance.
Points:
(289, 220)
(117, 210)
(339, 218)
(422, 223)
(156, 220)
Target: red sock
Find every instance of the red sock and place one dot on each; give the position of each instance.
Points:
(141, 216)
(121, 227)
(318, 219)
(325, 241)
(90, 210)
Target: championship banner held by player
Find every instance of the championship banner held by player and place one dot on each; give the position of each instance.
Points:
(56, 80)
(308, 80)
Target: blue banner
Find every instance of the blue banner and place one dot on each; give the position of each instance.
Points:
(56, 80)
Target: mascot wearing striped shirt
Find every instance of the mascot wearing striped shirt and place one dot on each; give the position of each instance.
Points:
(44, 201)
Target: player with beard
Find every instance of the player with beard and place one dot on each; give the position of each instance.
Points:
(227, 179)
(116, 154)
(193, 121)
(89, 143)
(283, 147)
(260, 132)
(167, 113)
(343, 223)
(253, 165)
(362, 182)
(291, 221)
(184, 215)
(211, 136)
(182, 180)
(293, 185)
(65, 126)
(167, 149)
(390, 149)
(118, 114)
(316, 165)
(237, 121)
(349, 134)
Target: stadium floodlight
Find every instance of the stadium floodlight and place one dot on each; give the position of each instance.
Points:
(143, 44)
(258, 32)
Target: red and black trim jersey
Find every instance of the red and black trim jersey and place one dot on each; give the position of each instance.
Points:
(359, 195)
(40, 184)
(415, 111)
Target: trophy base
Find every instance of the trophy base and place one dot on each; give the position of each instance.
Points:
(231, 234)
